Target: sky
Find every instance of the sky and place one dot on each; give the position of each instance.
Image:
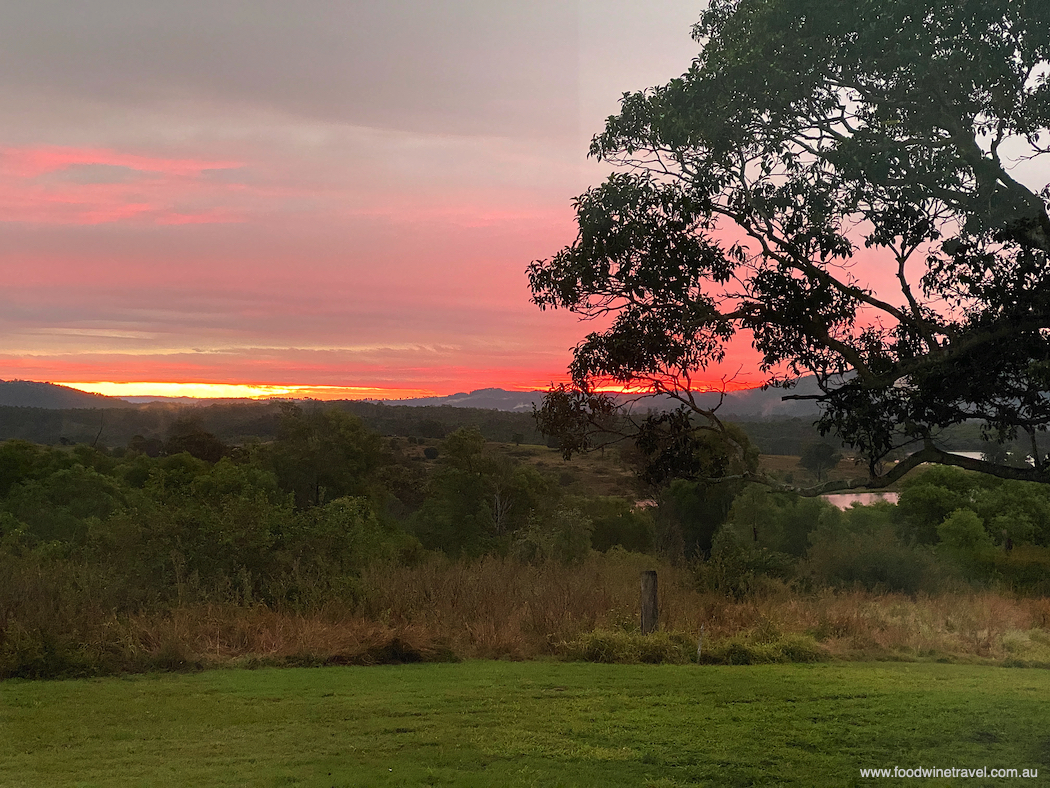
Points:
(325, 198)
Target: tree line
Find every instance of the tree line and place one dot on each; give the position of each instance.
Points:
(90, 535)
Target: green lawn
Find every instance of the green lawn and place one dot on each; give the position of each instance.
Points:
(526, 724)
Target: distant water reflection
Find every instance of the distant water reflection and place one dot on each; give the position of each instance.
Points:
(845, 500)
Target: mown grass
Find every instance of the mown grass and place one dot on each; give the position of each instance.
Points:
(524, 724)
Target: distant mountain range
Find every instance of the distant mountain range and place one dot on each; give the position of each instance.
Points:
(742, 405)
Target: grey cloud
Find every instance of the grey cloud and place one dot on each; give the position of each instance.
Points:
(452, 66)
(228, 175)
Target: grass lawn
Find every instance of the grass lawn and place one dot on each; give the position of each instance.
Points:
(526, 724)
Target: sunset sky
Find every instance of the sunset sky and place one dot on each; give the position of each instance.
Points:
(340, 196)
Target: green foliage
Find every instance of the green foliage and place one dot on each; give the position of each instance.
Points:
(1014, 511)
(966, 543)
(696, 510)
(58, 506)
(875, 561)
(819, 458)
(772, 537)
(780, 522)
(806, 131)
(17, 459)
(237, 423)
(564, 535)
(674, 446)
(180, 528)
(476, 499)
(764, 538)
(781, 436)
(742, 571)
(321, 455)
(86, 536)
(1025, 569)
(762, 649)
(615, 522)
(927, 498)
(186, 435)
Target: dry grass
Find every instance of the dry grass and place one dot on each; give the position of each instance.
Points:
(595, 473)
(501, 608)
(506, 609)
(783, 464)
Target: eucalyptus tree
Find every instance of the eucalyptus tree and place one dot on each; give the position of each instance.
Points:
(859, 187)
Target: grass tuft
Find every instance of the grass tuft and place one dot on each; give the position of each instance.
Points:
(752, 650)
(609, 646)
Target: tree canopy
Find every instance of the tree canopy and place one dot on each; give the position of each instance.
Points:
(859, 187)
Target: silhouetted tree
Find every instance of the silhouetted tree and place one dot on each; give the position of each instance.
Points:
(807, 136)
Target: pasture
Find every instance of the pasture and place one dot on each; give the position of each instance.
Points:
(540, 723)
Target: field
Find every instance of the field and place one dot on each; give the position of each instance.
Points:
(525, 724)
(499, 608)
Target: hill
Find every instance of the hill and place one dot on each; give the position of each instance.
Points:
(32, 394)
(749, 404)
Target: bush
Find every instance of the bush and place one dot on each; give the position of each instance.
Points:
(564, 535)
(741, 571)
(749, 650)
(966, 544)
(608, 646)
(1025, 569)
(780, 522)
(617, 523)
(874, 561)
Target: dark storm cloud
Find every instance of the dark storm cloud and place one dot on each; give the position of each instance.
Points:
(456, 66)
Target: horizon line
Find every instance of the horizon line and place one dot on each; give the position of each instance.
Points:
(264, 391)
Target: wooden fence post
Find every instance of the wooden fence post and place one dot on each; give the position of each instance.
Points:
(650, 608)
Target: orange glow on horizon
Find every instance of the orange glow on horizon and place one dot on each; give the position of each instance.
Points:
(194, 390)
(708, 387)
(243, 391)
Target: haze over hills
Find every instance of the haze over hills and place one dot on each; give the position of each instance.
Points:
(743, 404)
(746, 403)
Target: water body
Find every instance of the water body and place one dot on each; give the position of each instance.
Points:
(846, 500)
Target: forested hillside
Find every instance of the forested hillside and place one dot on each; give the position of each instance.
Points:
(242, 422)
(93, 539)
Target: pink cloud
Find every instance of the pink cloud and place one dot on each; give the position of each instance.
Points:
(32, 162)
(86, 186)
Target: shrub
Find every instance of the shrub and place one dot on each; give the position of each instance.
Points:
(607, 646)
(616, 523)
(1025, 569)
(564, 535)
(966, 544)
(876, 562)
(740, 571)
(749, 650)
